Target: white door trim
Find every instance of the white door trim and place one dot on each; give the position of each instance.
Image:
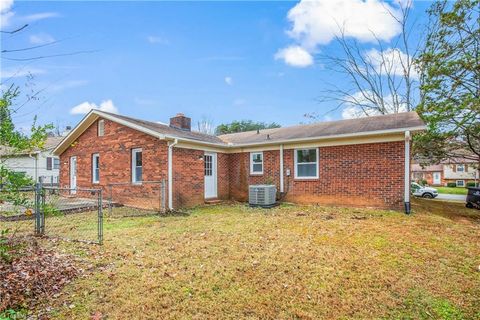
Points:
(210, 178)
(73, 174)
(439, 180)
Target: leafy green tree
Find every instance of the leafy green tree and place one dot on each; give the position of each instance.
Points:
(450, 83)
(244, 125)
(12, 140)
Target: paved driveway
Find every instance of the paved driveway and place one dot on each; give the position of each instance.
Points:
(451, 197)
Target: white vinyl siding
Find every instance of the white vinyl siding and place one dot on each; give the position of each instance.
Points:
(137, 165)
(306, 163)
(256, 163)
(95, 168)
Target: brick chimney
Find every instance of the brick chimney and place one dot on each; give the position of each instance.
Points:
(181, 122)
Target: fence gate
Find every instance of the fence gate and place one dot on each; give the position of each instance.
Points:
(78, 213)
(70, 214)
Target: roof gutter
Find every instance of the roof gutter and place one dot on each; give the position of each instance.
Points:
(286, 141)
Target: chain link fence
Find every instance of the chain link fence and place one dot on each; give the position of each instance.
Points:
(130, 199)
(17, 210)
(78, 214)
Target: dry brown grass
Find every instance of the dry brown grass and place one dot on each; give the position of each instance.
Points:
(284, 263)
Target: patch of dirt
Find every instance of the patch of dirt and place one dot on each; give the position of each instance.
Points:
(30, 274)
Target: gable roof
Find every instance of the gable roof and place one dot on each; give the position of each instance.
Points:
(167, 130)
(378, 125)
(406, 120)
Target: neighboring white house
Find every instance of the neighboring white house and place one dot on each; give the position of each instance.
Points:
(458, 171)
(41, 165)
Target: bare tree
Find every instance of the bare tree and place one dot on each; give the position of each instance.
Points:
(381, 80)
(205, 125)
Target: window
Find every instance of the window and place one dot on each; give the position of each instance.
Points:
(56, 163)
(49, 163)
(95, 168)
(256, 163)
(460, 183)
(136, 165)
(306, 163)
(101, 128)
(208, 165)
(460, 168)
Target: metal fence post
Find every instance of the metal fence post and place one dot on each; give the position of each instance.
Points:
(110, 200)
(100, 217)
(39, 214)
(37, 209)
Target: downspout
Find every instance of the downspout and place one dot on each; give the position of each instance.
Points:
(407, 172)
(170, 173)
(281, 169)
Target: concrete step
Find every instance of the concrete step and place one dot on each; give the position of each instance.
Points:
(213, 201)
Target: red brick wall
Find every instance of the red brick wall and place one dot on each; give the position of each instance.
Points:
(115, 148)
(188, 176)
(223, 173)
(356, 175)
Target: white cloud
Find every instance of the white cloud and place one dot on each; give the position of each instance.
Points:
(6, 15)
(157, 40)
(295, 56)
(353, 110)
(317, 23)
(40, 16)
(391, 61)
(41, 38)
(85, 107)
(229, 80)
(5, 12)
(21, 72)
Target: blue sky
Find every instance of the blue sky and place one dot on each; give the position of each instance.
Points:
(220, 60)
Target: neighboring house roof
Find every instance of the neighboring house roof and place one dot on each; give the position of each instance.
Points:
(331, 128)
(418, 168)
(50, 143)
(378, 125)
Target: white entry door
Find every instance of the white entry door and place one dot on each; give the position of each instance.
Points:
(73, 175)
(210, 165)
(436, 178)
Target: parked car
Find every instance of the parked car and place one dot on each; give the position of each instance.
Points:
(424, 192)
(473, 198)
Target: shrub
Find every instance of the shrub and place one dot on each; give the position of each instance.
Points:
(451, 184)
(424, 182)
(471, 184)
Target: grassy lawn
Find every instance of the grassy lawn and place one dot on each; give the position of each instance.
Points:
(231, 261)
(451, 190)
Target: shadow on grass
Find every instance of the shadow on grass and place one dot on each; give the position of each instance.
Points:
(448, 209)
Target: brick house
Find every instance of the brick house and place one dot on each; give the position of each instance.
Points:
(457, 171)
(358, 162)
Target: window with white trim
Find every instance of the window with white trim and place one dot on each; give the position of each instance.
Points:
(306, 163)
(56, 163)
(256, 162)
(460, 183)
(95, 168)
(460, 168)
(137, 165)
(101, 128)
